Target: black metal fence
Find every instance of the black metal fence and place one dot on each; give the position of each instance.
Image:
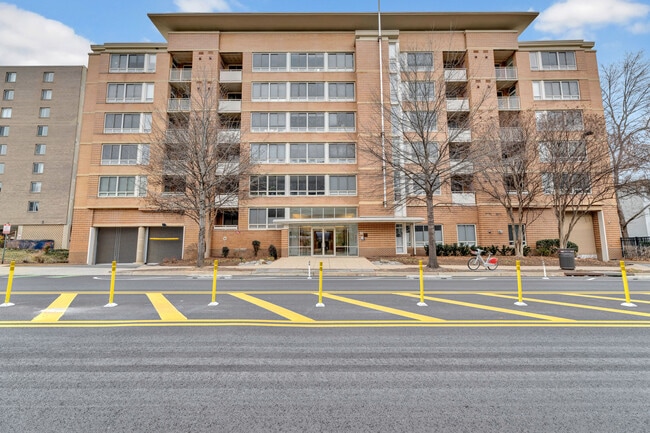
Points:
(638, 247)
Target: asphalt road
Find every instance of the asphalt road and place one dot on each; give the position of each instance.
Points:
(252, 379)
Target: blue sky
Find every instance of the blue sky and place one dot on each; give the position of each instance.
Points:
(53, 32)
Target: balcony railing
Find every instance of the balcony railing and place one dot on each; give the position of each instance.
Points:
(511, 134)
(178, 104)
(230, 106)
(229, 136)
(456, 74)
(457, 104)
(180, 75)
(230, 76)
(465, 198)
(461, 166)
(463, 135)
(509, 103)
(508, 73)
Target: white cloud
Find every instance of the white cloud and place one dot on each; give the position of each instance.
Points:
(29, 39)
(577, 18)
(202, 5)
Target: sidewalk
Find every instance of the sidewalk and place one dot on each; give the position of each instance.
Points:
(332, 267)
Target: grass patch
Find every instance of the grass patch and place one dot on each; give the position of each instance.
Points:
(36, 256)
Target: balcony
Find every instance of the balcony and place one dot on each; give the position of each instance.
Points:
(461, 167)
(456, 74)
(506, 74)
(229, 136)
(507, 103)
(230, 106)
(511, 134)
(230, 76)
(178, 104)
(457, 104)
(463, 198)
(180, 75)
(228, 200)
(459, 135)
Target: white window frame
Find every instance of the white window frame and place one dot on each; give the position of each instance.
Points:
(335, 185)
(563, 121)
(267, 66)
(340, 62)
(469, 243)
(44, 112)
(35, 187)
(307, 185)
(3, 149)
(10, 77)
(48, 77)
(417, 66)
(141, 157)
(2, 168)
(118, 93)
(342, 160)
(345, 87)
(8, 94)
(269, 91)
(565, 88)
(40, 149)
(5, 112)
(424, 229)
(144, 124)
(42, 130)
(46, 94)
(536, 61)
(268, 218)
(4, 131)
(266, 119)
(511, 234)
(33, 206)
(267, 150)
(38, 168)
(265, 183)
(139, 186)
(124, 59)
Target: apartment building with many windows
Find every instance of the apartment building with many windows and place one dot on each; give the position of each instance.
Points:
(40, 122)
(301, 92)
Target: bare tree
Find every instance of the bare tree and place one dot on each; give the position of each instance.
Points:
(507, 170)
(195, 167)
(625, 89)
(430, 117)
(576, 172)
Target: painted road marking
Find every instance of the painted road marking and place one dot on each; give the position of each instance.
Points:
(281, 311)
(56, 309)
(164, 308)
(395, 311)
(490, 308)
(606, 298)
(568, 304)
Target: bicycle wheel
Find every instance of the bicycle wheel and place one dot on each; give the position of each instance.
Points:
(492, 265)
(473, 263)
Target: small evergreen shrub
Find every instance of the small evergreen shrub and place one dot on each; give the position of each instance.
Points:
(273, 252)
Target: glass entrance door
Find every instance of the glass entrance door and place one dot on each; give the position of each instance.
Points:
(323, 241)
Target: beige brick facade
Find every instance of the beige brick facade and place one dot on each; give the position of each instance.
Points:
(366, 222)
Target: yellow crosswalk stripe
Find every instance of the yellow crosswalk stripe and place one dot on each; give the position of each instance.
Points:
(164, 308)
(281, 311)
(56, 309)
(490, 308)
(382, 308)
(568, 304)
(606, 298)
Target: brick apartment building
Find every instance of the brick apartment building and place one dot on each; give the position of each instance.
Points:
(40, 123)
(301, 90)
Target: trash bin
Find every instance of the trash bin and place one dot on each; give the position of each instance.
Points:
(567, 258)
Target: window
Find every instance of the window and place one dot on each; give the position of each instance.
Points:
(341, 122)
(48, 77)
(8, 95)
(466, 234)
(267, 185)
(46, 94)
(461, 183)
(559, 120)
(269, 91)
(3, 149)
(420, 152)
(307, 91)
(418, 91)
(264, 122)
(125, 154)
(560, 90)
(307, 121)
(419, 60)
(4, 131)
(307, 61)
(32, 206)
(35, 187)
(42, 130)
(44, 112)
(552, 60)
(307, 185)
(342, 153)
(10, 77)
(562, 151)
(310, 153)
(421, 120)
(269, 61)
(514, 183)
(127, 123)
(268, 153)
(122, 186)
(174, 184)
(5, 113)
(340, 62)
(264, 218)
(566, 183)
(341, 91)
(514, 229)
(422, 235)
(130, 92)
(2, 168)
(133, 63)
(39, 149)
(38, 168)
(343, 185)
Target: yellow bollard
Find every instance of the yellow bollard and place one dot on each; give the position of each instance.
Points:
(520, 294)
(10, 282)
(111, 294)
(214, 284)
(320, 286)
(626, 288)
(421, 303)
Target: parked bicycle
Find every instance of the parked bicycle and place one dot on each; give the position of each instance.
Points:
(490, 263)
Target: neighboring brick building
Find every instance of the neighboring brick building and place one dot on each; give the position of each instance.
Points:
(40, 122)
(302, 88)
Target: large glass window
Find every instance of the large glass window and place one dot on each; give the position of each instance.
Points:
(552, 60)
(419, 60)
(132, 63)
(264, 218)
(267, 185)
(422, 235)
(466, 234)
(340, 61)
(265, 122)
(342, 153)
(311, 153)
(269, 62)
(125, 154)
(269, 91)
(307, 121)
(341, 91)
(559, 120)
(514, 229)
(343, 185)
(130, 92)
(341, 122)
(560, 90)
(307, 185)
(268, 153)
(127, 123)
(122, 186)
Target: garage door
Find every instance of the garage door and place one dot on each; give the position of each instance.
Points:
(116, 243)
(164, 243)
